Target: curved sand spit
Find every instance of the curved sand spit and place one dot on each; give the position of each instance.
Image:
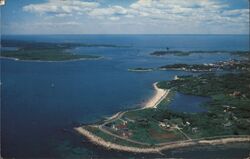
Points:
(160, 94)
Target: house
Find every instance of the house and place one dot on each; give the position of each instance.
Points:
(127, 134)
(194, 130)
(228, 124)
(176, 77)
(161, 124)
(125, 122)
(121, 126)
(114, 127)
(235, 94)
(188, 123)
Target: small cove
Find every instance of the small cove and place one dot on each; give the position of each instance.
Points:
(188, 103)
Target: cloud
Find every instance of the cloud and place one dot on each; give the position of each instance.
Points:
(201, 15)
(114, 10)
(61, 7)
(181, 10)
(191, 10)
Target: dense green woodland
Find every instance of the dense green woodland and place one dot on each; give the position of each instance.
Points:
(43, 51)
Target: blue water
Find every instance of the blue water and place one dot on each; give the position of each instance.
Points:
(180, 42)
(35, 115)
(187, 103)
(8, 48)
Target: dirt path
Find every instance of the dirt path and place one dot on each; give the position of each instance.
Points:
(123, 138)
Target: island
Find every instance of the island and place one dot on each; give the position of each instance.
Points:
(45, 55)
(140, 69)
(231, 65)
(45, 51)
(155, 127)
(189, 67)
(187, 53)
(172, 52)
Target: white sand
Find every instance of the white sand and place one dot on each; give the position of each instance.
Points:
(159, 95)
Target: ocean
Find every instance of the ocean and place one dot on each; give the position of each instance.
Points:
(41, 102)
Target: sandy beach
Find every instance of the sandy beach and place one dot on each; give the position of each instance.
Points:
(159, 95)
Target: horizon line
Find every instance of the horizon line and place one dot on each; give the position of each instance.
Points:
(121, 34)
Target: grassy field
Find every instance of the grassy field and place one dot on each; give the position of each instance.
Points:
(112, 139)
(145, 127)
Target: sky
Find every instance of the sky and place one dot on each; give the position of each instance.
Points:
(125, 17)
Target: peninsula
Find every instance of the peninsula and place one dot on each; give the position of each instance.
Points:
(154, 128)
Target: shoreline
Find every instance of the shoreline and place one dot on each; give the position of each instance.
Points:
(153, 102)
(113, 116)
(157, 149)
(72, 60)
(156, 99)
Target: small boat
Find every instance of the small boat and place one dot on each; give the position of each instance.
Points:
(52, 85)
